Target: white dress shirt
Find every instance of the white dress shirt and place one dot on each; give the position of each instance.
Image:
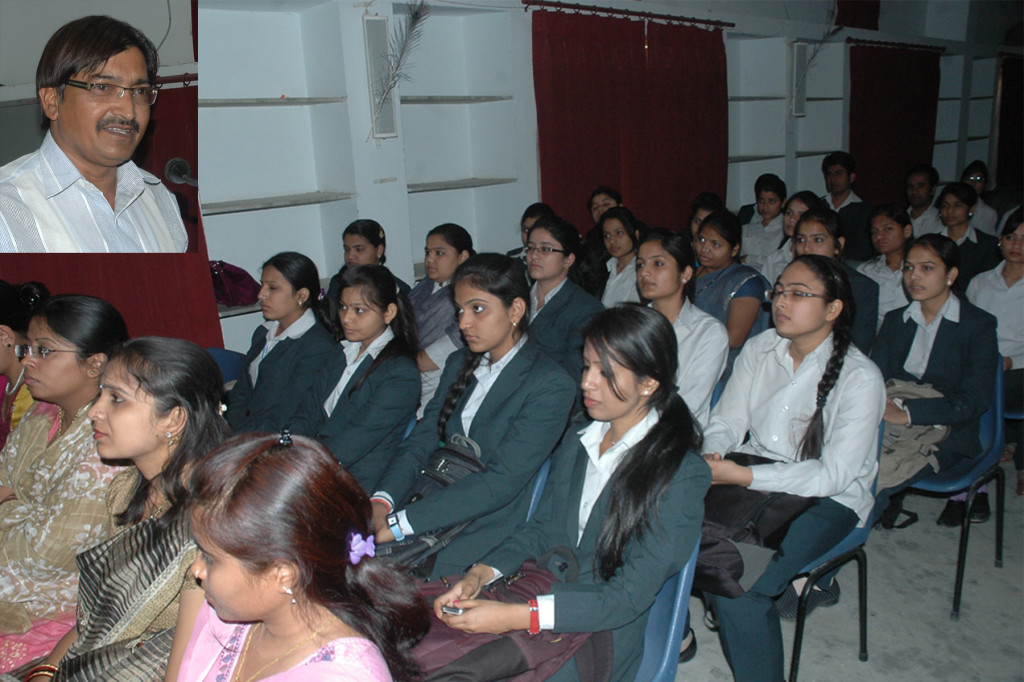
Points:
(890, 286)
(760, 241)
(851, 198)
(703, 348)
(352, 363)
(534, 308)
(621, 286)
(777, 261)
(294, 331)
(985, 218)
(924, 338)
(774, 402)
(46, 205)
(926, 223)
(989, 292)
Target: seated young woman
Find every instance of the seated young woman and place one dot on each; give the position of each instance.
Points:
(286, 561)
(703, 205)
(622, 232)
(978, 251)
(17, 302)
(437, 327)
(52, 481)
(559, 308)
(1000, 292)
(942, 340)
(820, 232)
(531, 215)
(159, 409)
(505, 394)
(366, 397)
(364, 243)
(764, 232)
(812, 402)
(726, 289)
(891, 232)
(795, 206)
(287, 351)
(625, 493)
(665, 278)
(591, 264)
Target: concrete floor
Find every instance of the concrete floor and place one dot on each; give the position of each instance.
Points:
(910, 596)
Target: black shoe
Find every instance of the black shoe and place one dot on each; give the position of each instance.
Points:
(787, 606)
(953, 514)
(690, 650)
(980, 510)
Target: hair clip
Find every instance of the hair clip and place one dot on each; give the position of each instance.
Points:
(380, 233)
(286, 437)
(820, 402)
(322, 294)
(358, 548)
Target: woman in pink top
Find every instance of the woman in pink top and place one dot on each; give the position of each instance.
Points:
(286, 560)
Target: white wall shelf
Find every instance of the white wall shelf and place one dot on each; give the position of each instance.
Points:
(268, 101)
(283, 201)
(755, 99)
(755, 157)
(465, 183)
(453, 99)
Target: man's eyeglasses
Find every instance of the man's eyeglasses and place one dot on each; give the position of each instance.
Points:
(23, 350)
(142, 95)
(543, 250)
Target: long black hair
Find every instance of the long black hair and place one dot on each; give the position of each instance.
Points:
(378, 285)
(641, 340)
(174, 373)
(500, 276)
(301, 273)
(830, 273)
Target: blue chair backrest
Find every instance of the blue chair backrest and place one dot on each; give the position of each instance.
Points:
(990, 426)
(665, 625)
(538, 487)
(229, 361)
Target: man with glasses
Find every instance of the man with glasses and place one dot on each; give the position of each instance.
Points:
(80, 191)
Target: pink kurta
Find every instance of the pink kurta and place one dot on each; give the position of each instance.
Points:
(215, 646)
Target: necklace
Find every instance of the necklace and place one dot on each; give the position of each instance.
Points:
(245, 650)
(16, 385)
(60, 420)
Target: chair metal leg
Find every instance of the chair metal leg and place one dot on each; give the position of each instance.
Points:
(798, 636)
(862, 589)
(1000, 504)
(961, 557)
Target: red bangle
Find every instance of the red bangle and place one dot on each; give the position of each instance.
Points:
(534, 617)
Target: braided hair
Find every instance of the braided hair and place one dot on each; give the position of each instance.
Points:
(837, 287)
(500, 276)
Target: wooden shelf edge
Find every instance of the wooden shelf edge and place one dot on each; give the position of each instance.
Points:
(263, 203)
(759, 157)
(453, 99)
(267, 102)
(464, 183)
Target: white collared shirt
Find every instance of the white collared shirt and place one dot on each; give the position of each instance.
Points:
(534, 308)
(924, 338)
(985, 218)
(777, 261)
(766, 397)
(46, 205)
(851, 198)
(294, 331)
(760, 241)
(352, 363)
(621, 286)
(703, 348)
(989, 292)
(890, 285)
(926, 223)
(486, 373)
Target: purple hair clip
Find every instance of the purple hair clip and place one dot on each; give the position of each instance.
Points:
(358, 548)
(322, 294)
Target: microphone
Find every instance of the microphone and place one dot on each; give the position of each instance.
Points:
(179, 172)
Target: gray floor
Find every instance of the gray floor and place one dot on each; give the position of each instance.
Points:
(910, 596)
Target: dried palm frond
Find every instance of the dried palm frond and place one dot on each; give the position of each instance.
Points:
(403, 41)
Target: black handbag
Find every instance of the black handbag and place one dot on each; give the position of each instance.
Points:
(742, 530)
(452, 462)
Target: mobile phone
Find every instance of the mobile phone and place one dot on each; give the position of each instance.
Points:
(452, 610)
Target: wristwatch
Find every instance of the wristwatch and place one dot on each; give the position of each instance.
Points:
(396, 529)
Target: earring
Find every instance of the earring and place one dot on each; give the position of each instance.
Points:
(171, 440)
(646, 392)
(288, 591)
(196, 574)
(949, 283)
(515, 324)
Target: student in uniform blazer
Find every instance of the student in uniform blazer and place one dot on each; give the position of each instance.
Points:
(557, 325)
(978, 251)
(613, 591)
(517, 425)
(363, 402)
(288, 350)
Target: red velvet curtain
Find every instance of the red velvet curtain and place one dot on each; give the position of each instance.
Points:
(894, 97)
(642, 107)
(157, 294)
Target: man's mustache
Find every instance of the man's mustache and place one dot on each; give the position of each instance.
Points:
(118, 122)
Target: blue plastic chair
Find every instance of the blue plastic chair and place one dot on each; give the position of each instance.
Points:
(970, 475)
(666, 626)
(229, 361)
(538, 487)
(850, 548)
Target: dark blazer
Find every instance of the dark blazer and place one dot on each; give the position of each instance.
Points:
(517, 427)
(366, 426)
(286, 374)
(977, 257)
(558, 327)
(857, 232)
(590, 604)
(962, 366)
(865, 295)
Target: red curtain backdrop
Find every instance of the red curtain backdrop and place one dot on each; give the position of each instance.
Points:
(858, 13)
(640, 107)
(157, 294)
(894, 96)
